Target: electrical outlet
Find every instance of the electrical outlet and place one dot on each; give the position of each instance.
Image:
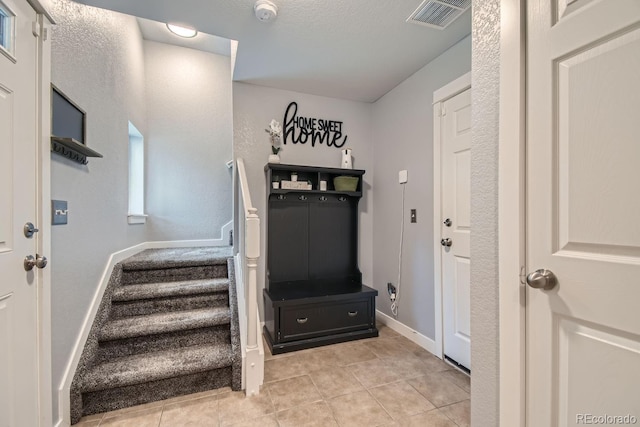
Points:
(392, 291)
(414, 217)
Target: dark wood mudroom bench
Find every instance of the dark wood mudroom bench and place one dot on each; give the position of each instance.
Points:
(314, 293)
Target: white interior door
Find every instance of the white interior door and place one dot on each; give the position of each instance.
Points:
(583, 208)
(18, 288)
(456, 227)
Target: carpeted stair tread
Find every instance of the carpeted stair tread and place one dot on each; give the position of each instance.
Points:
(167, 326)
(143, 368)
(153, 259)
(170, 289)
(159, 323)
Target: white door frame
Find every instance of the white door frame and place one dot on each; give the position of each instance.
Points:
(43, 207)
(511, 213)
(446, 92)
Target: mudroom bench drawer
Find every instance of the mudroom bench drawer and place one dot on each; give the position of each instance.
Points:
(305, 321)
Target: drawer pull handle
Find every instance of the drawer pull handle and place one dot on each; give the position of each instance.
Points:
(302, 319)
(353, 313)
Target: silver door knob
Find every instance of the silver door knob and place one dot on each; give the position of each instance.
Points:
(542, 279)
(447, 222)
(38, 261)
(29, 229)
(446, 242)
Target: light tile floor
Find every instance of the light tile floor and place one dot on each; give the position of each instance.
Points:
(384, 381)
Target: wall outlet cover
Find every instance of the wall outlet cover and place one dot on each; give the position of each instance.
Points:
(403, 176)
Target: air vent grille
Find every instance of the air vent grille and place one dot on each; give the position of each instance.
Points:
(438, 13)
(460, 4)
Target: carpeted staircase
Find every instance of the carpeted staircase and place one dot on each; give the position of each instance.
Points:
(167, 326)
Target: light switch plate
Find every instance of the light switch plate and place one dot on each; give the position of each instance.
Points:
(59, 212)
(403, 176)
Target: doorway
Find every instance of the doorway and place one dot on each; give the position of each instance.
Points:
(452, 228)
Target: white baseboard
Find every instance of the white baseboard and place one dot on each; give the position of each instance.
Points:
(415, 336)
(64, 388)
(223, 240)
(64, 403)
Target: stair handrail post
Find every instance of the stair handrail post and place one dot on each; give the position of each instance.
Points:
(252, 250)
(249, 223)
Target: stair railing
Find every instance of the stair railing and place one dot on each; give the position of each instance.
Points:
(248, 253)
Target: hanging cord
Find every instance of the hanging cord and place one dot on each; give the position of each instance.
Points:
(395, 303)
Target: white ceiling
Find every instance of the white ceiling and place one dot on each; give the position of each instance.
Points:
(349, 49)
(158, 32)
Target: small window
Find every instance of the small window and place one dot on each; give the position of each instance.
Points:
(136, 176)
(7, 20)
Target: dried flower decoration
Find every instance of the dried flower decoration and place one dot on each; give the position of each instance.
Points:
(275, 132)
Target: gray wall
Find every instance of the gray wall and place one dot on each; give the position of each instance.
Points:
(97, 60)
(484, 213)
(403, 136)
(253, 109)
(188, 142)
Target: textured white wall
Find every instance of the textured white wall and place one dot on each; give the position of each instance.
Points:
(97, 60)
(484, 212)
(188, 142)
(255, 106)
(403, 135)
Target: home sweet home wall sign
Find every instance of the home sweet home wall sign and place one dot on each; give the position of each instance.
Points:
(300, 130)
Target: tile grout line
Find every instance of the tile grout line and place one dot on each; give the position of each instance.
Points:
(445, 414)
(427, 399)
(333, 415)
(381, 405)
(273, 405)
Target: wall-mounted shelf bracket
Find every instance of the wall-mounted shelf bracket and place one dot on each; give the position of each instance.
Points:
(72, 149)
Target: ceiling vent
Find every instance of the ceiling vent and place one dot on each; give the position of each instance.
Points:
(438, 13)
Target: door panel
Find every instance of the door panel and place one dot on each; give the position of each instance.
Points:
(18, 288)
(7, 324)
(463, 190)
(583, 122)
(6, 168)
(592, 164)
(289, 259)
(333, 237)
(456, 199)
(462, 306)
(585, 384)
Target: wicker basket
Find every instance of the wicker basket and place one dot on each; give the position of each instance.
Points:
(345, 183)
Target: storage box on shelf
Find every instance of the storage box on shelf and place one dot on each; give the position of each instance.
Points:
(314, 293)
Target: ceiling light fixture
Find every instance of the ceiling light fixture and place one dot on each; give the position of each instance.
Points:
(181, 31)
(265, 10)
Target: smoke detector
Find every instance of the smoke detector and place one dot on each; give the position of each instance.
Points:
(265, 10)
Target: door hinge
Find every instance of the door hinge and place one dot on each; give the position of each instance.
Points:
(35, 28)
(443, 111)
